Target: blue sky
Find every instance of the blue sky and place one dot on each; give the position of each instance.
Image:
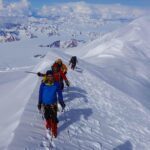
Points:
(136, 3)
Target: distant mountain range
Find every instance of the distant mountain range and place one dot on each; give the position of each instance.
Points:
(87, 28)
(78, 21)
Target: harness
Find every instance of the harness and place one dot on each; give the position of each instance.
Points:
(51, 106)
(50, 111)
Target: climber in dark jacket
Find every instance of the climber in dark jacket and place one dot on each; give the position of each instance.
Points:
(73, 61)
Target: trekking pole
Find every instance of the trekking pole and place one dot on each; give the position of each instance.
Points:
(30, 72)
(68, 86)
(42, 112)
(50, 143)
(66, 121)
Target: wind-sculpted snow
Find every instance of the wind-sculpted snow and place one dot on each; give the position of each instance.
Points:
(97, 116)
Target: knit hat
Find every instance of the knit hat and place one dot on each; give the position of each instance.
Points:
(49, 72)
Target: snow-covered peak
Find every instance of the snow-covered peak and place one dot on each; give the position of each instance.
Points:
(134, 33)
(123, 57)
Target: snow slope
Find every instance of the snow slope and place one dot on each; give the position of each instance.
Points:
(107, 102)
(98, 116)
(123, 57)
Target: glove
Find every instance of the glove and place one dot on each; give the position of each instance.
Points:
(63, 105)
(39, 74)
(39, 107)
(56, 120)
(67, 83)
(65, 72)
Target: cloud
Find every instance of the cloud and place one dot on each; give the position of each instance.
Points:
(1, 4)
(20, 8)
(23, 4)
(23, 8)
(79, 8)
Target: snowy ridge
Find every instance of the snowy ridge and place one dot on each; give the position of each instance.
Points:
(96, 118)
(123, 58)
(20, 98)
(135, 31)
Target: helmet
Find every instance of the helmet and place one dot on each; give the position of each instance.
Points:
(59, 61)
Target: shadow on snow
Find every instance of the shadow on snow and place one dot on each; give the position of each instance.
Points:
(125, 146)
(73, 93)
(73, 116)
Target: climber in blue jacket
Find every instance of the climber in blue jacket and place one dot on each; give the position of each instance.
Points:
(49, 96)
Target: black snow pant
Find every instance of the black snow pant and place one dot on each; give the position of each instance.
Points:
(50, 112)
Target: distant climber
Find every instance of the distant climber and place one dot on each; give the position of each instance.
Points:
(73, 61)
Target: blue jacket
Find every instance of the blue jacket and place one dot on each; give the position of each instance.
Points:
(49, 94)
